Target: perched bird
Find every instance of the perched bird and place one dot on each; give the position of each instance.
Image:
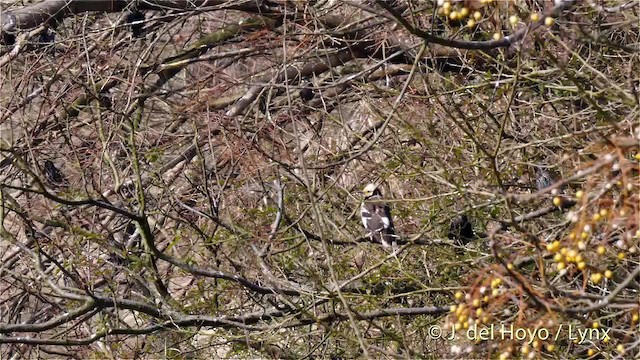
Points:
(545, 178)
(54, 176)
(105, 99)
(376, 217)
(135, 19)
(306, 94)
(47, 37)
(461, 230)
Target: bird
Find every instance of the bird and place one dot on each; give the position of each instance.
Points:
(306, 94)
(461, 230)
(54, 176)
(376, 217)
(545, 178)
(47, 37)
(135, 19)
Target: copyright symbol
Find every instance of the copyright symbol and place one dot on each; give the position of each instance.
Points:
(435, 332)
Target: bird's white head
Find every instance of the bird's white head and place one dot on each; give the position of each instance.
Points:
(370, 190)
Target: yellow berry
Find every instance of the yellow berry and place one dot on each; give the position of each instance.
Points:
(495, 292)
(621, 256)
(595, 325)
(601, 250)
(564, 251)
(556, 200)
(591, 352)
(464, 12)
(534, 17)
(582, 265)
(582, 245)
(548, 21)
(579, 258)
(558, 257)
(477, 15)
(453, 15)
(446, 5)
(525, 349)
(604, 212)
(596, 217)
(596, 277)
(479, 312)
(476, 303)
(459, 295)
(513, 19)
(608, 274)
(471, 23)
(452, 308)
(584, 235)
(550, 347)
(620, 349)
(497, 36)
(510, 266)
(561, 265)
(572, 236)
(635, 317)
(579, 194)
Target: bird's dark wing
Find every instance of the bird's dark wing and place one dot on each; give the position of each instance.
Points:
(376, 218)
(387, 213)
